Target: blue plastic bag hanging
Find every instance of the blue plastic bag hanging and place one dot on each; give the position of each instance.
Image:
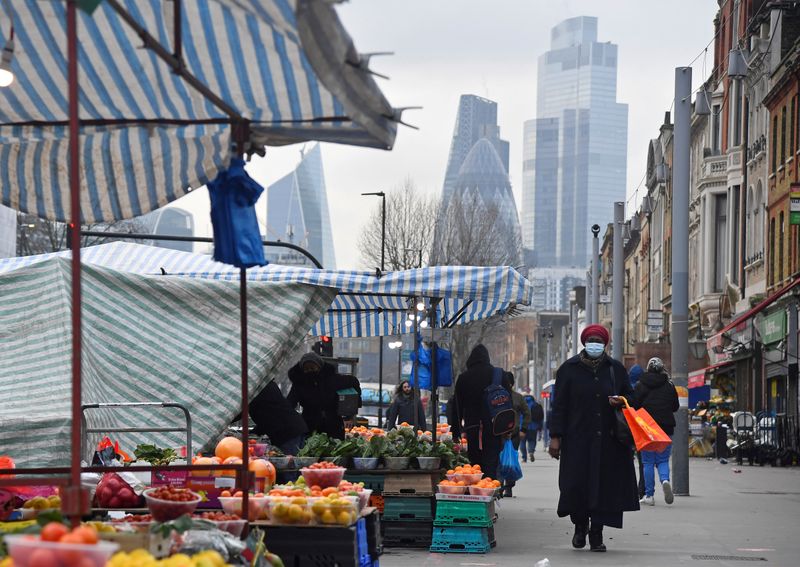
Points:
(237, 238)
(510, 469)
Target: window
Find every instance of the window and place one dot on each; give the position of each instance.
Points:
(736, 114)
(791, 127)
(749, 230)
(783, 135)
(782, 228)
(720, 241)
(716, 129)
(735, 253)
(774, 143)
(771, 251)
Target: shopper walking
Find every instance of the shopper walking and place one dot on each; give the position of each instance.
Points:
(473, 413)
(520, 433)
(596, 475)
(534, 429)
(656, 394)
(634, 374)
(401, 409)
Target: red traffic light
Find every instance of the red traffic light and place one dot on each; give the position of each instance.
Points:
(325, 339)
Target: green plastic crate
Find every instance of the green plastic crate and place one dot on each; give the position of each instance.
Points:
(462, 540)
(403, 509)
(457, 513)
(373, 482)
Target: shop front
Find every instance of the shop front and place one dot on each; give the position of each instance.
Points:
(773, 337)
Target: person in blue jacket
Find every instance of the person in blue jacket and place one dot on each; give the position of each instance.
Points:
(534, 428)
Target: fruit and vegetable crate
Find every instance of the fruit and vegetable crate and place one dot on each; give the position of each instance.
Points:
(464, 513)
(405, 509)
(407, 534)
(377, 501)
(462, 540)
(344, 547)
(410, 485)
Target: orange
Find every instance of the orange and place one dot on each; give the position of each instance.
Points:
(225, 493)
(229, 447)
(203, 461)
(87, 534)
(228, 472)
(54, 531)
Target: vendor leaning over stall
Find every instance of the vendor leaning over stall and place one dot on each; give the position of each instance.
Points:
(323, 394)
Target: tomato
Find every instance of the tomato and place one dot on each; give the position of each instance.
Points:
(87, 534)
(42, 558)
(54, 531)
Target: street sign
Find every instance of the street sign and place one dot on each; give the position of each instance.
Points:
(794, 207)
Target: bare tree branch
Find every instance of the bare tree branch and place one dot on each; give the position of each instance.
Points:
(42, 236)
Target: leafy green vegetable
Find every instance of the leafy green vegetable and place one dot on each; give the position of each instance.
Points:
(349, 448)
(154, 455)
(318, 445)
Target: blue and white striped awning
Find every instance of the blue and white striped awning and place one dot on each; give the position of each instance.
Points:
(148, 137)
(365, 305)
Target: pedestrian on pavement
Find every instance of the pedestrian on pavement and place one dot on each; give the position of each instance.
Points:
(635, 373)
(315, 384)
(534, 429)
(520, 433)
(483, 447)
(656, 393)
(401, 409)
(596, 477)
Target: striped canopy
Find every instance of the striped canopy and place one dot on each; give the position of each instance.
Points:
(145, 339)
(365, 305)
(148, 136)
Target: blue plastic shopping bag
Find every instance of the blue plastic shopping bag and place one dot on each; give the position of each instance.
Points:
(510, 468)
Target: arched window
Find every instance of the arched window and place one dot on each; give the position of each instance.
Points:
(758, 220)
(772, 251)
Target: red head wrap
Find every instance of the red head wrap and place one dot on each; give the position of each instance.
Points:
(595, 331)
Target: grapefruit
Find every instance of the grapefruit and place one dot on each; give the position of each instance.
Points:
(263, 469)
(228, 447)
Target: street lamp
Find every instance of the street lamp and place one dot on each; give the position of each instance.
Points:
(547, 333)
(382, 195)
(594, 310)
(418, 251)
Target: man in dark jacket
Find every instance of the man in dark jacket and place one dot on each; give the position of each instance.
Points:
(656, 394)
(520, 432)
(275, 418)
(315, 386)
(473, 415)
(402, 408)
(534, 428)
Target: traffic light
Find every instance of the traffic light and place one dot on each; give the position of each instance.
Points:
(324, 346)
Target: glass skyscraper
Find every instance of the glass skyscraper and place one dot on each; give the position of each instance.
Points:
(575, 151)
(297, 212)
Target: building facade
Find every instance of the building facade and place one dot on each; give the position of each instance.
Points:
(297, 212)
(574, 152)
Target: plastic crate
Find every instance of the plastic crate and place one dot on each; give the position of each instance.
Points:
(462, 540)
(374, 539)
(417, 484)
(403, 509)
(457, 513)
(373, 482)
(407, 534)
(331, 545)
(377, 501)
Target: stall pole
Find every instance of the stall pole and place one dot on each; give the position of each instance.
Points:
(245, 395)
(75, 505)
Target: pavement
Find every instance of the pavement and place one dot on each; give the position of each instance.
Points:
(730, 519)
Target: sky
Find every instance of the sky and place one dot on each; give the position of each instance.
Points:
(446, 48)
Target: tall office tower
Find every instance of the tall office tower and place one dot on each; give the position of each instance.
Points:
(476, 119)
(173, 221)
(297, 212)
(574, 152)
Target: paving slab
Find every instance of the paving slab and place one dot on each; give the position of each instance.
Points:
(730, 519)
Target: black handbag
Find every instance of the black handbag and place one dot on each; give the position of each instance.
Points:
(622, 432)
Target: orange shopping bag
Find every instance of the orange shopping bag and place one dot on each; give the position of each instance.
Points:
(647, 435)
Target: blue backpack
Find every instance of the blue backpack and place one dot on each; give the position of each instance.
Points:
(500, 405)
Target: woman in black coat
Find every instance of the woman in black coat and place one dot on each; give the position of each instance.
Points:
(596, 475)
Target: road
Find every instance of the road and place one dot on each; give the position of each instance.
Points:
(731, 519)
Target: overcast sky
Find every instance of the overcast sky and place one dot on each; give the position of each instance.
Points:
(446, 48)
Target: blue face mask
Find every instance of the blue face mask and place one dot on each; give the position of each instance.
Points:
(595, 350)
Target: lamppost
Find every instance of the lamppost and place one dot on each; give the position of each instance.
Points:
(382, 195)
(396, 345)
(418, 251)
(547, 333)
(595, 264)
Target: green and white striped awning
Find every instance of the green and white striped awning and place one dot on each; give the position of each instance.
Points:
(146, 339)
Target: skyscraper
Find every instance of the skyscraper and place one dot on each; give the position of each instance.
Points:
(574, 152)
(476, 119)
(477, 202)
(297, 212)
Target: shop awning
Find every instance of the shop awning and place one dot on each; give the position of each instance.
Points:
(286, 69)
(366, 305)
(697, 378)
(717, 341)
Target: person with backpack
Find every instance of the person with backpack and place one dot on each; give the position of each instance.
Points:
(596, 477)
(656, 393)
(520, 433)
(485, 409)
(534, 429)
